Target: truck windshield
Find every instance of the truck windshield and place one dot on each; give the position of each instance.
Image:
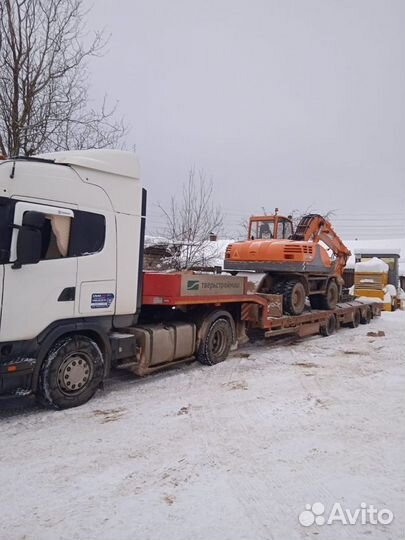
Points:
(6, 221)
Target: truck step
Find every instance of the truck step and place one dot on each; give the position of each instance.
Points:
(127, 365)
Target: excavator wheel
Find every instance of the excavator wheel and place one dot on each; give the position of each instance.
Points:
(331, 297)
(278, 288)
(293, 297)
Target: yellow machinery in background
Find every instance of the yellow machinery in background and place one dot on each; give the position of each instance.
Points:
(371, 281)
(370, 284)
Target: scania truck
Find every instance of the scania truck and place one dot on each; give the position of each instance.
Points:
(75, 301)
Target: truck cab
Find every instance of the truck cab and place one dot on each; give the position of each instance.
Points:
(71, 234)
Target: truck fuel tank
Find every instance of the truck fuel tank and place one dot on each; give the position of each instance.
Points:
(164, 343)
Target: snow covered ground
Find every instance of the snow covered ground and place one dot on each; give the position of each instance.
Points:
(230, 452)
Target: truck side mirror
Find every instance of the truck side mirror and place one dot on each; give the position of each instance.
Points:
(29, 240)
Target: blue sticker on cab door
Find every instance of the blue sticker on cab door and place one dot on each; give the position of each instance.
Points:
(101, 300)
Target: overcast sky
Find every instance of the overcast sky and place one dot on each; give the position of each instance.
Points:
(288, 103)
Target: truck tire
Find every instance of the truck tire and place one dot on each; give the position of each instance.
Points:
(366, 315)
(330, 327)
(331, 296)
(216, 343)
(356, 317)
(294, 297)
(71, 372)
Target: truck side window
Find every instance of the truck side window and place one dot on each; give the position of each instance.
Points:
(63, 236)
(87, 233)
(55, 235)
(59, 235)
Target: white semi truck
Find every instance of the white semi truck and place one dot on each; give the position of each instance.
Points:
(75, 302)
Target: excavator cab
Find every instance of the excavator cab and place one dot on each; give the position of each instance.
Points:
(272, 227)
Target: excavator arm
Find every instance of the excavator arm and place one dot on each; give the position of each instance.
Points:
(315, 228)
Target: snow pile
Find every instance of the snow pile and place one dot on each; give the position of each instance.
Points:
(155, 240)
(387, 298)
(372, 266)
(213, 252)
(378, 246)
(370, 298)
(391, 290)
(390, 293)
(208, 254)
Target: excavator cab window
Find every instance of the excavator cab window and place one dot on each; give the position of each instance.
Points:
(284, 228)
(262, 230)
(270, 227)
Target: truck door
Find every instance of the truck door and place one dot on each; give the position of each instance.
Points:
(35, 295)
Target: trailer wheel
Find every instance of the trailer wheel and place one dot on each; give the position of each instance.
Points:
(216, 343)
(294, 297)
(331, 296)
(330, 327)
(71, 373)
(354, 323)
(365, 316)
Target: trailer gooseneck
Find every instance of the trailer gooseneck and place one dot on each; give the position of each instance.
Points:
(75, 302)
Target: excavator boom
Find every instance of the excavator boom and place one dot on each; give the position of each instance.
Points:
(315, 228)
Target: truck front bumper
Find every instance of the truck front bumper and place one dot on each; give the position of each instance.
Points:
(16, 377)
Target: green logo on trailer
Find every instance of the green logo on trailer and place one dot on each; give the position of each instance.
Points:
(193, 285)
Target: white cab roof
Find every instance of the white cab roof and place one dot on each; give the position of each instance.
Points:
(109, 161)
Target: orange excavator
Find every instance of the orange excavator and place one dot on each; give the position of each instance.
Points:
(296, 264)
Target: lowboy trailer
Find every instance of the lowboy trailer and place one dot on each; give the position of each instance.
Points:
(75, 302)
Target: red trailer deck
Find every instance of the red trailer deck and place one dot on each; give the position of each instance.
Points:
(187, 290)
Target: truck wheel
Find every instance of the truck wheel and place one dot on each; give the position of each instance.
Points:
(365, 316)
(294, 297)
(71, 372)
(216, 343)
(330, 327)
(354, 323)
(330, 298)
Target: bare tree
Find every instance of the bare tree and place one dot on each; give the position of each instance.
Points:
(190, 220)
(44, 102)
